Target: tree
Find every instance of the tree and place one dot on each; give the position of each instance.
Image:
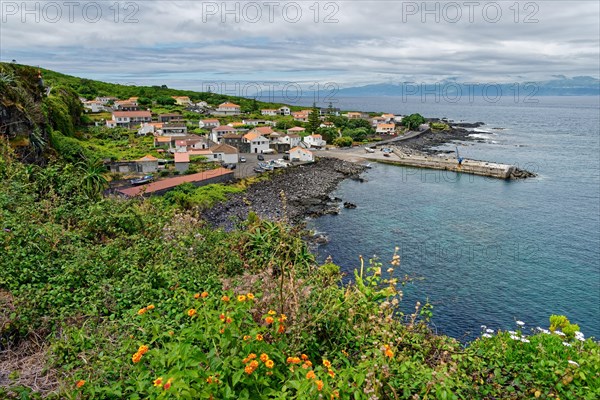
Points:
(313, 120)
(144, 101)
(93, 181)
(344, 141)
(413, 121)
(165, 101)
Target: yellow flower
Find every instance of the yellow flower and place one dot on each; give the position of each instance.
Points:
(250, 296)
(331, 373)
(269, 364)
(247, 337)
(282, 318)
(311, 375)
(271, 312)
(80, 383)
(150, 307)
(241, 298)
(319, 385)
(191, 312)
(197, 296)
(327, 364)
(136, 357)
(269, 320)
(158, 381)
(142, 311)
(143, 349)
(259, 337)
(225, 298)
(168, 384)
(264, 357)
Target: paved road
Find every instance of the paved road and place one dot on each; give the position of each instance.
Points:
(246, 169)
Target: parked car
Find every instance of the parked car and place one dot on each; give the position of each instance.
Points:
(286, 156)
(260, 157)
(242, 159)
(258, 170)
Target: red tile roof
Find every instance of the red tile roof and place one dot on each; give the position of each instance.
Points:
(147, 157)
(133, 114)
(172, 182)
(182, 157)
(224, 148)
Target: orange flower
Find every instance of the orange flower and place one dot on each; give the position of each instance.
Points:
(210, 379)
(191, 312)
(158, 381)
(269, 364)
(204, 295)
(225, 298)
(319, 385)
(168, 384)
(259, 337)
(389, 353)
(136, 357)
(80, 383)
(264, 357)
(222, 330)
(271, 312)
(304, 357)
(241, 298)
(282, 318)
(247, 337)
(171, 333)
(307, 364)
(250, 296)
(150, 307)
(197, 296)
(248, 369)
(142, 311)
(327, 364)
(143, 349)
(269, 320)
(251, 356)
(331, 373)
(311, 375)
(222, 317)
(293, 360)
(335, 394)
(281, 329)
(254, 364)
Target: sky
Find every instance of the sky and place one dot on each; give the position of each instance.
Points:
(197, 44)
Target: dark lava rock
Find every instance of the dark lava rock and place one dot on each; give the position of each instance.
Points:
(296, 193)
(349, 205)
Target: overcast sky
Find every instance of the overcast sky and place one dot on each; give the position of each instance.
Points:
(189, 44)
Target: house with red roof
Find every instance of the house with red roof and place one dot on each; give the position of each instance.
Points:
(128, 119)
(227, 108)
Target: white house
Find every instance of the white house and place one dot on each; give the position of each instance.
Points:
(388, 117)
(292, 139)
(315, 141)
(145, 129)
(269, 111)
(147, 164)
(376, 121)
(225, 153)
(300, 116)
(298, 153)
(111, 123)
(130, 118)
(182, 100)
(284, 110)
(105, 99)
(258, 143)
(387, 129)
(209, 123)
(94, 106)
(227, 109)
(217, 133)
(174, 129)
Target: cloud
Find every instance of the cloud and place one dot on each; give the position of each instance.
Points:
(348, 42)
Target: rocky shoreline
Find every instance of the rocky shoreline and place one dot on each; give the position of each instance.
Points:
(429, 140)
(293, 194)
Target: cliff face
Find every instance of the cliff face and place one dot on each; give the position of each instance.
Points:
(28, 116)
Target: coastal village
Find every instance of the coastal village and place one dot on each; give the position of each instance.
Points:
(201, 144)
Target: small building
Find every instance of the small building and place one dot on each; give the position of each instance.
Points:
(226, 154)
(315, 141)
(182, 162)
(376, 121)
(388, 117)
(285, 110)
(147, 164)
(182, 100)
(217, 133)
(296, 130)
(354, 115)
(258, 143)
(174, 129)
(256, 122)
(292, 139)
(208, 123)
(386, 129)
(126, 105)
(130, 118)
(105, 99)
(94, 106)
(300, 154)
(329, 111)
(227, 108)
(111, 123)
(269, 111)
(170, 117)
(300, 116)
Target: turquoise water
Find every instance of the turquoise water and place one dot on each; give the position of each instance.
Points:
(489, 252)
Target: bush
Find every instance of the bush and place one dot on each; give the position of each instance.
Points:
(343, 141)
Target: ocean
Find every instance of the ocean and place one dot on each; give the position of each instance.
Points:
(486, 251)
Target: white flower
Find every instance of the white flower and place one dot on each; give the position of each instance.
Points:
(573, 363)
(486, 335)
(559, 333)
(566, 344)
(514, 337)
(524, 340)
(483, 326)
(513, 333)
(520, 323)
(489, 330)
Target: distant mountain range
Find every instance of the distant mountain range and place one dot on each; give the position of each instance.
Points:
(560, 86)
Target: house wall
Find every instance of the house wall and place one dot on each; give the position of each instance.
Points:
(147, 166)
(182, 166)
(280, 147)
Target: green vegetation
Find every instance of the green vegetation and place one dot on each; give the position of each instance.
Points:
(344, 141)
(413, 121)
(105, 298)
(439, 126)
